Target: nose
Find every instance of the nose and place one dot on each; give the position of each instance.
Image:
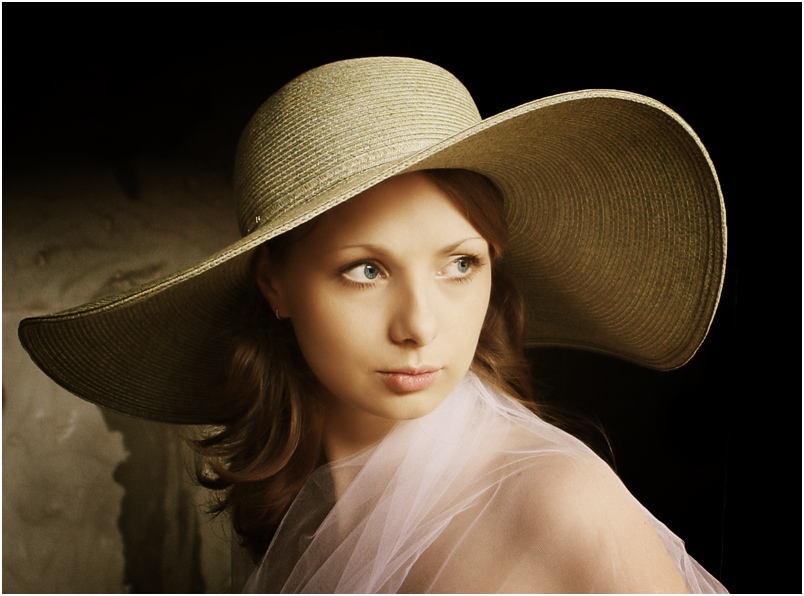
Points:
(414, 320)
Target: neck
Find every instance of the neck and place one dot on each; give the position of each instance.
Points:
(348, 430)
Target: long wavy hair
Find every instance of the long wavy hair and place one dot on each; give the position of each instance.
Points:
(258, 462)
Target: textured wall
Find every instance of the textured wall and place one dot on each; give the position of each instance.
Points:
(94, 501)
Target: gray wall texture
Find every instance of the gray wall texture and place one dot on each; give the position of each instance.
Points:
(94, 501)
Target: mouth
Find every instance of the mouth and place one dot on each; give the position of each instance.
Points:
(410, 380)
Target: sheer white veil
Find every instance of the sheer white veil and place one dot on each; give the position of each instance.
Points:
(480, 495)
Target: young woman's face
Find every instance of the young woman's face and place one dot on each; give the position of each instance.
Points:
(387, 295)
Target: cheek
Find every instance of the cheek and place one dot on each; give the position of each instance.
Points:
(330, 332)
(346, 334)
(468, 320)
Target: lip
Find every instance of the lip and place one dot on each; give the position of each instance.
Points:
(410, 379)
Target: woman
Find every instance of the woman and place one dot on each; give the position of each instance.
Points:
(377, 414)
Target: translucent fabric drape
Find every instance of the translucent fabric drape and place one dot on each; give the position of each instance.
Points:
(482, 496)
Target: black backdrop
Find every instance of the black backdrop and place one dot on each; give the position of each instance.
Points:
(713, 449)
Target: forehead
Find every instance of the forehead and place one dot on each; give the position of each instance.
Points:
(410, 207)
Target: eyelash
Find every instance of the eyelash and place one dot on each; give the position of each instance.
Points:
(358, 284)
(476, 262)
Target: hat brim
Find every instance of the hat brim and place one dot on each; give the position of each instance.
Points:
(617, 241)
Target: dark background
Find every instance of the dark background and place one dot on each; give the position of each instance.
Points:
(713, 449)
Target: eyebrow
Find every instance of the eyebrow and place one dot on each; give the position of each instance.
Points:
(382, 250)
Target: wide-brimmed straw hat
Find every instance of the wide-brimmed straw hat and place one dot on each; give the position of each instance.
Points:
(617, 227)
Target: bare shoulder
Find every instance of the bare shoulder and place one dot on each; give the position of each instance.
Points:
(586, 529)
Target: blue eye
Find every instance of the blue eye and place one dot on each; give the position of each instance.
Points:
(371, 271)
(364, 274)
(461, 268)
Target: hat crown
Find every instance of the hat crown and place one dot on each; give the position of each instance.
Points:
(339, 120)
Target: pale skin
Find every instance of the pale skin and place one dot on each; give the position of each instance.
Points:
(387, 295)
(396, 279)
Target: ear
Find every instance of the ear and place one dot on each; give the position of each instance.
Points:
(269, 281)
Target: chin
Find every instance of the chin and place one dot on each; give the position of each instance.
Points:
(416, 405)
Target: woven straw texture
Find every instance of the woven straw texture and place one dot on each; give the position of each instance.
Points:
(617, 227)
